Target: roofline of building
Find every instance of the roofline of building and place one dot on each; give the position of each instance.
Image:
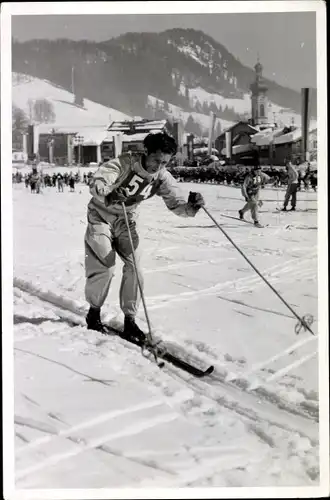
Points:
(235, 124)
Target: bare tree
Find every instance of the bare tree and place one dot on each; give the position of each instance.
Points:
(19, 126)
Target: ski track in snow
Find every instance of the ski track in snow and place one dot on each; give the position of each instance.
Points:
(272, 424)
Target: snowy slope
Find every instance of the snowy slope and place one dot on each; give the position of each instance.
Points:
(67, 114)
(91, 412)
(239, 105)
(178, 113)
(283, 116)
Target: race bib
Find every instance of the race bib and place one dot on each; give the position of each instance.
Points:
(137, 188)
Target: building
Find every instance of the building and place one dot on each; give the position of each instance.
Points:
(67, 145)
(279, 145)
(240, 135)
(259, 137)
(128, 135)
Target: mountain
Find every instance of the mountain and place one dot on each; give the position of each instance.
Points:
(178, 71)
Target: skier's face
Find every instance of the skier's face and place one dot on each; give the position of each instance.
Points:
(155, 161)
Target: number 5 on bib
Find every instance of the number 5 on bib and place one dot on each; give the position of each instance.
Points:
(135, 185)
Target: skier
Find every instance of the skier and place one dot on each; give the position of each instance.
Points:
(72, 183)
(313, 180)
(60, 188)
(130, 178)
(27, 180)
(306, 177)
(293, 184)
(35, 181)
(250, 190)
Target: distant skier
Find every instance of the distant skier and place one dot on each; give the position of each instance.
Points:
(35, 181)
(313, 180)
(307, 176)
(293, 184)
(27, 180)
(60, 183)
(72, 183)
(250, 190)
(130, 178)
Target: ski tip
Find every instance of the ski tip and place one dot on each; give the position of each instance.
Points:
(209, 370)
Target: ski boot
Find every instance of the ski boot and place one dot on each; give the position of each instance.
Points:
(132, 332)
(257, 224)
(241, 215)
(292, 209)
(94, 322)
(283, 209)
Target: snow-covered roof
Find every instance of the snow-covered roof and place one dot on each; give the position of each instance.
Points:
(253, 129)
(204, 150)
(264, 137)
(139, 126)
(293, 135)
(240, 148)
(91, 136)
(138, 137)
(277, 136)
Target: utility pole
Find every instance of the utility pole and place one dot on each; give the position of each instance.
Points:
(72, 80)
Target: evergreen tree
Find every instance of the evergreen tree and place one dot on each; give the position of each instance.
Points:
(193, 127)
(206, 108)
(198, 107)
(189, 126)
(198, 130)
(217, 130)
(213, 107)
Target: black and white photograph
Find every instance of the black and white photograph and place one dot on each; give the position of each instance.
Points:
(164, 253)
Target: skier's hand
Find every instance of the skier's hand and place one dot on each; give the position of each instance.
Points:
(101, 189)
(247, 198)
(196, 200)
(117, 196)
(260, 203)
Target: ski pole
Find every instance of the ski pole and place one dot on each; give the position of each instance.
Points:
(302, 321)
(149, 334)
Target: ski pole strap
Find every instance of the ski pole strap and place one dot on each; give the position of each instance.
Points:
(301, 321)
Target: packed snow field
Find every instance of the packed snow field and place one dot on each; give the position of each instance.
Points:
(91, 412)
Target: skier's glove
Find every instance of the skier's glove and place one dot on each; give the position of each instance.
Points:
(117, 196)
(196, 200)
(101, 189)
(260, 203)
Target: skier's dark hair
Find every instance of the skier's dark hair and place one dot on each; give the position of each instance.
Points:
(160, 142)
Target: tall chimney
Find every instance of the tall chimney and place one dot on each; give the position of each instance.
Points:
(211, 132)
(305, 118)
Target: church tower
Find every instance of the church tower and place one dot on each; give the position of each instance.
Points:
(259, 98)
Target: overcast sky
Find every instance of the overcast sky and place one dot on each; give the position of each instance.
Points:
(286, 42)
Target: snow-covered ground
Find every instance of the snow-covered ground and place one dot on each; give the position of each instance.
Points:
(91, 412)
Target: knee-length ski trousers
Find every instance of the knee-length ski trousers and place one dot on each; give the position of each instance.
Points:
(103, 240)
(252, 205)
